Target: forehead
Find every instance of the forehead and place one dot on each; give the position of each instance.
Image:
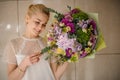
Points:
(41, 16)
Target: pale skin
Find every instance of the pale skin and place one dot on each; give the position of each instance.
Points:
(35, 24)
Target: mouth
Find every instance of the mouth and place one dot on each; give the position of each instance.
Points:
(37, 32)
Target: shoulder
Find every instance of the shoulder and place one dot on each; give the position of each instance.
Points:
(15, 41)
(42, 42)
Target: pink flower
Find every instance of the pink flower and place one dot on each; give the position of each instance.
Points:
(74, 11)
(69, 52)
(72, 27)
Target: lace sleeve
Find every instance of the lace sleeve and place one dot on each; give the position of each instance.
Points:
(9, 54)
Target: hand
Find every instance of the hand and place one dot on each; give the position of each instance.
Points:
(32, 59)
(29, 60)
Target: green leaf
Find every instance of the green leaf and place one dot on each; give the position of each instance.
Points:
(46, 49)
(82, 37)
(69, 7)
(80, 16)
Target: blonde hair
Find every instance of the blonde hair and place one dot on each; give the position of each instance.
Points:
(37, 8)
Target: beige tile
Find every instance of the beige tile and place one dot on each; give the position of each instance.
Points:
(69, 73)
(59, 5)
(23, 5)
(103, 67)
(8, 22)
(8, 29)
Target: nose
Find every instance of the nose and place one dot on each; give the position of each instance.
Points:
(39, 27)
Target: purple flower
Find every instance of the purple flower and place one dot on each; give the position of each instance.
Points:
(93, 40)
(57, 30)
(93, 24)
(84, 26)
(88, 21)
(83, 54)
(74, 11)
(71, 25)
(65, 21)
(69, 17)
(69, 52)
(78, 47)
(50, 39)
(64, 42)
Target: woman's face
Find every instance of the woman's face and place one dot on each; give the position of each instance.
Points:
(36, 24)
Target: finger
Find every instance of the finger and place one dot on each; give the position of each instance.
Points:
(35, 54)
(35, 60)
(32, 58)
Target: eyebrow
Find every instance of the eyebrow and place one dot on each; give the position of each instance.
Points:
(40, 20)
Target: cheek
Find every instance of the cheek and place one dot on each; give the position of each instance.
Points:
(43, 29)
(32, 25)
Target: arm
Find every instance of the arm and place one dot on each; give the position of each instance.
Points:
(58, 70)
(16, 72)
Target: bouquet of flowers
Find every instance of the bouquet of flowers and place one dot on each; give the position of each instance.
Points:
(74, 35)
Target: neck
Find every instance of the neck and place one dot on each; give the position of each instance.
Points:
(28, 35)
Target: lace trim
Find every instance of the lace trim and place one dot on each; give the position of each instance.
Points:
(29, 39)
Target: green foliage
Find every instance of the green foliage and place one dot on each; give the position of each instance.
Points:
(80, 16)
(82, 37)
(69, 7)
(46, 49)
(71, 35)
(58, 15)
(73, 58)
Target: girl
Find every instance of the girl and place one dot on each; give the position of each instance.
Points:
(23, 53)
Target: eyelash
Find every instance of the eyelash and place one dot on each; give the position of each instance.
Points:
(37, 23)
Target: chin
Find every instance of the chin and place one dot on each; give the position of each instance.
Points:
(36, 34)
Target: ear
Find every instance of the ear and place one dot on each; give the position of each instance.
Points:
(27, 17)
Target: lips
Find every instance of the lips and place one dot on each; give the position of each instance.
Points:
(37, 31)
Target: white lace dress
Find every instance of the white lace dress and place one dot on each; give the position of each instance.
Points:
(18, 48)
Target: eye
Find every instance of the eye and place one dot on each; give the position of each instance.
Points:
(37, 22)
(44, 25)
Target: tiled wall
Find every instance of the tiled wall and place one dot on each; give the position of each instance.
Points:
(106, 64)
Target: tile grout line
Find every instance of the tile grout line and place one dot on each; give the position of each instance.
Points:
(108, 54)
(18, 18)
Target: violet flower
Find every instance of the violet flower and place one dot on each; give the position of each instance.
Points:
(64, 42)
(84, 26)
(78, 47)
(65, 21)
(68, 17)
(83, 54)
(69, 52)
(72, 27)
(93, 24)
(93, 41)
(74, 11)
(57, 30)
